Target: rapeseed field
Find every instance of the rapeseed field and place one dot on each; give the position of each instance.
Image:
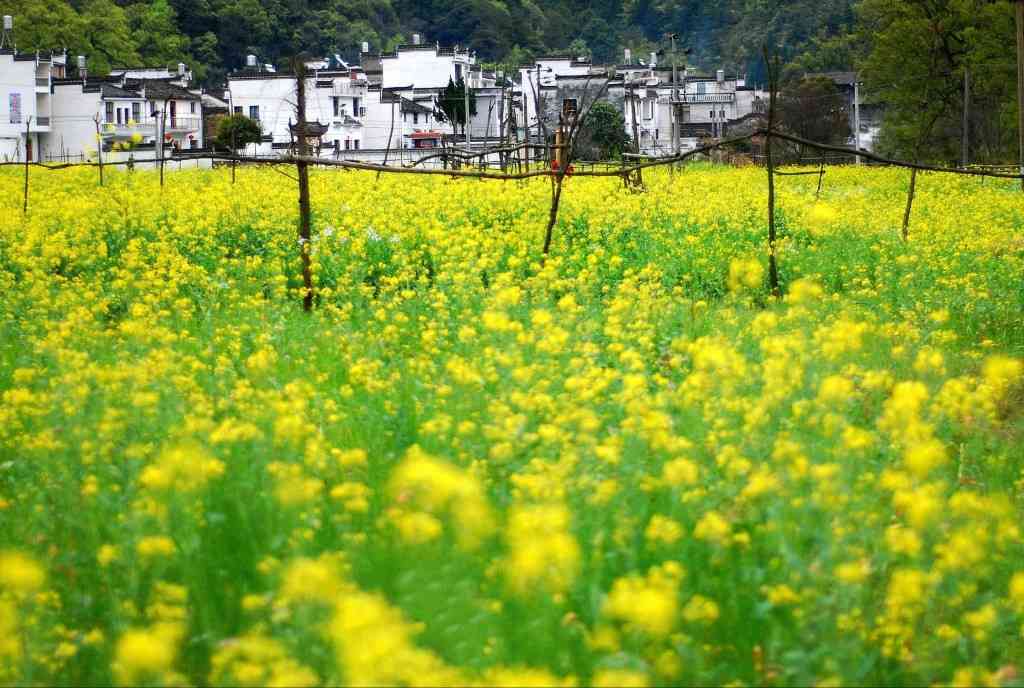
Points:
(626, 465)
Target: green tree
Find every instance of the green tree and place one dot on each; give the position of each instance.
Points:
(602, 133)
(919, 51)
(815, 109)
(98, 29)
(453, 104)
(235, 132)
(107, 35)
(155, 32)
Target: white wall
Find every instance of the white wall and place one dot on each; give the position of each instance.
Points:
(274, 97)
(16, 76)
(72, 120)
(377, 123)
(422, 67)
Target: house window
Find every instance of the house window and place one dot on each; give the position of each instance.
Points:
(356, 144)
(15, 102)
(110, 112)
(119, 111)
(702, 88)
(362, 112)
(336, 104)
(348, 144)
(254, 112)
(648, 108)
(712, 114)
(238, 109)
(192, 107)
(569, 106)
(721, 114)
(458, 72)
(136, 112)
(415, 118)
(355, 107)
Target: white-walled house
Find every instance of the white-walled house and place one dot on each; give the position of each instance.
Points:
(708, 105)
(429, 66)
(26, 105)
(336, 98)
(127, 112)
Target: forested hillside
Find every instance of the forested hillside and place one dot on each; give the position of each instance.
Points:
(215, 35)
(911, 54)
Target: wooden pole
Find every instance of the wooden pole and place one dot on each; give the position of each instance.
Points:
(773, 271)
(99, 146)
(1020, 85)
(163, 128)
(391, 132)
(965, 142)
(28, 128)
(639, 179)
(303, 170)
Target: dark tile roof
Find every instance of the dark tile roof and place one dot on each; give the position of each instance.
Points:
(157, 89)
(112, 91)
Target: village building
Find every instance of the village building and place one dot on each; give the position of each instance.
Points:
(336, 96)
(26, 102)
(138, 109)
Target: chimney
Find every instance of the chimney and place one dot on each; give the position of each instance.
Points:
(82, 70)
(654, 60)
(6, 39)
(720, 75)
(181, 69)
(250, 61)
(415, 39)
(366, 47)
(627, 56)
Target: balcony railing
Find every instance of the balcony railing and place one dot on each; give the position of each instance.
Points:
(183, 123)
(123, 130)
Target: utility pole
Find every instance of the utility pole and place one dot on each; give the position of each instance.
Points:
(465, 98)
(965, 146)
(856, 114)
(1020, 84)
(675, 99)
(632, 107)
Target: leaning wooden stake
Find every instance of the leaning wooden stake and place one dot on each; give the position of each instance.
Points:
(910, 204)
(28, 127)
(391, 133)
(773, 271)
(303, 169)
